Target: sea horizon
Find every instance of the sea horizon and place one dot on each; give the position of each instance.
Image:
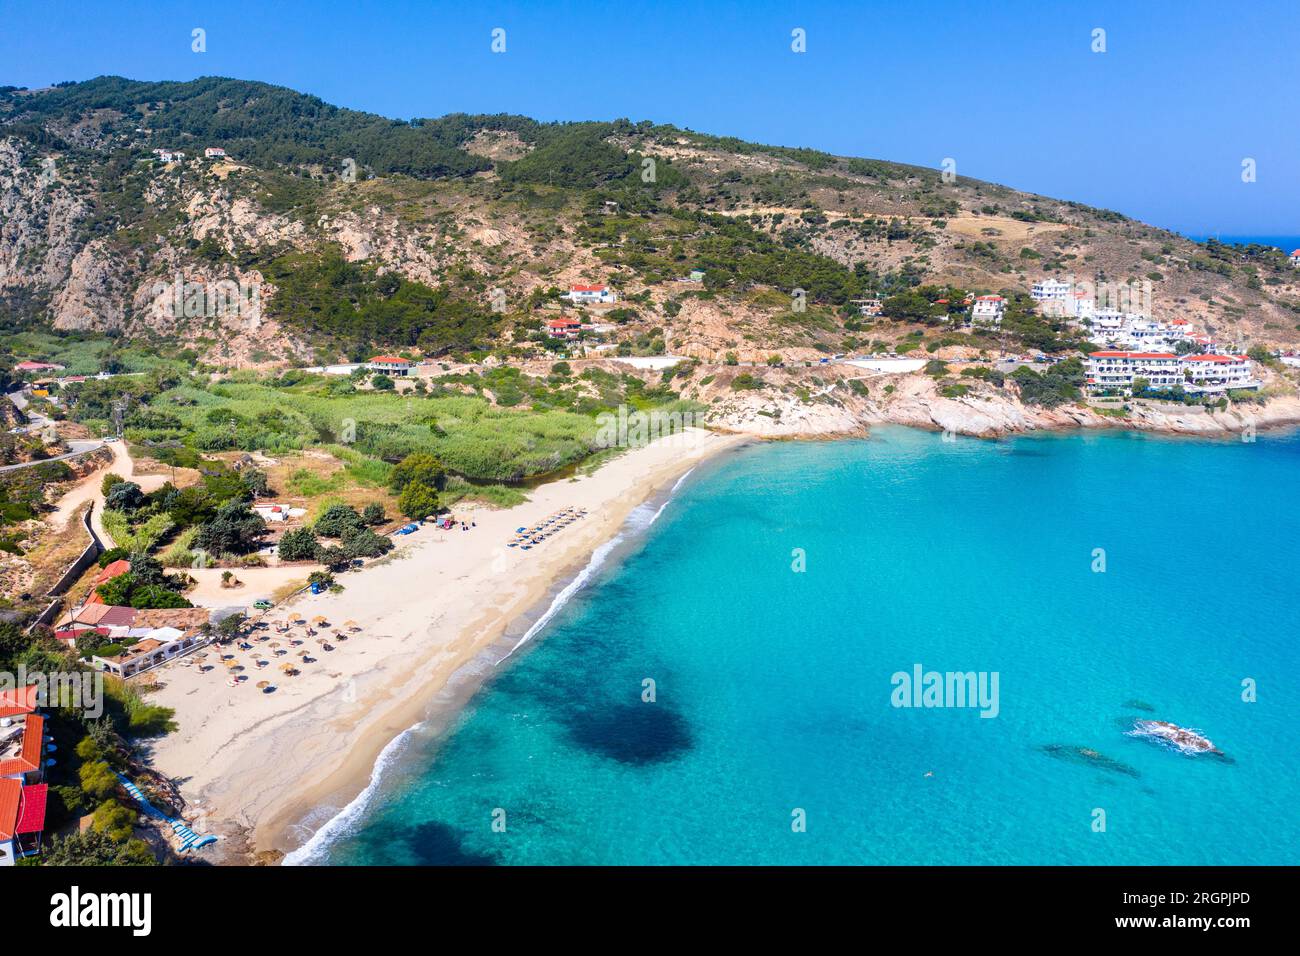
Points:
(751, 724)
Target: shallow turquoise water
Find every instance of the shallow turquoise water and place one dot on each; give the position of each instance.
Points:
(773, 687)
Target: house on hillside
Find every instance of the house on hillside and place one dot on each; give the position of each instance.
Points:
(37, 367)
(987, 310)
(1295, 258)
(390, 365)
(566, 329)
(591, 295)
(214, 152)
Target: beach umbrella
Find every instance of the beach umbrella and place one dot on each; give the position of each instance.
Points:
(263, 684)
(352, 625)
(274, 644)
(320, 619)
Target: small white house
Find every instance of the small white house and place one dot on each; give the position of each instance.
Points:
(214, 152)
(591, 295)
(1295, 258)
(987, 310)
(390, 365)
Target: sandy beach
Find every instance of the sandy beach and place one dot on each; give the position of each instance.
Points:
(253, 766)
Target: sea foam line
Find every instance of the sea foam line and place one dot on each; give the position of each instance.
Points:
(339, 825)
(597, 559)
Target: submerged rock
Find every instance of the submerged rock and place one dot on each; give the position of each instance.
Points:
(1087, 757)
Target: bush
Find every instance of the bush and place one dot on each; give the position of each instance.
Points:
(111, 555)
(420, 467)
(124, 496)
(366, 544)
(337, 521)
(110, 479)
(373, 513)
(418, 500)
(298, 545)
(94, 848)
(234, 530)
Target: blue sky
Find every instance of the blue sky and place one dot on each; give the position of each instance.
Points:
(1156, 127)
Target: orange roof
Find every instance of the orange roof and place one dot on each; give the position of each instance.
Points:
(11, 796)
(21, 700)
(392, 360)
(112, 570)
(29, 758)
(1215, 358)
(587, 288)
(562, 323)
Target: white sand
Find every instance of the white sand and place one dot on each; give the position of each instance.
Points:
(263, 761)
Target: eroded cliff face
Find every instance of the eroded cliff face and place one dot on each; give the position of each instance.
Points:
(811, 403)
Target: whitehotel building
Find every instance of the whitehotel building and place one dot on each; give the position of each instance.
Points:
(1195, 374)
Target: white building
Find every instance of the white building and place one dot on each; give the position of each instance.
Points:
(390, 364)
(214, 152)
(1295, 258)
(1135, 331)
(591, 295)
(1195, 374)
(1217, 373)
(987, 310)
(1058, 297)
(162, 645)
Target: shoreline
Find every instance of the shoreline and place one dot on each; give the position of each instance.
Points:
(438, 616)
(273, 783)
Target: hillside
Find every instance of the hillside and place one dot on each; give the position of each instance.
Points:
(440, 211)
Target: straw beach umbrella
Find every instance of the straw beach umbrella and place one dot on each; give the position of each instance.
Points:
(263, 684)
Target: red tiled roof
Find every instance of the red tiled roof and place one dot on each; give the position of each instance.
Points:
(988, 298)
(112, 570)
(563, 323)
(31, 818)
(29, 758)
(11, 798)
(1214, 358)
(34, 366)
(392, 360)
(21, 700)
(1179, 322)
(587, 288)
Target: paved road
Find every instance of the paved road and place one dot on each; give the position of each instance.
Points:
(81, 447)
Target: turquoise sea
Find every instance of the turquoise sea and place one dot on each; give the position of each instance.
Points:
(773, 686)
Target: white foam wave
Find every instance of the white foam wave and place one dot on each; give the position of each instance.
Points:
(340, 825)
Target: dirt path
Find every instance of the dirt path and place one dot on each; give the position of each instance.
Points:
(89, 490)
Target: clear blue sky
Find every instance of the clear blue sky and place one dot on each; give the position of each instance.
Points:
(1156, 127)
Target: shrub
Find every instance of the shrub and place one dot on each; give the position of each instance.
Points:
(111, 555)
(420, 467)
(124, 496)
(373, 513)
(234, 530)
(337, 521)
(109, 480)
(418, 500)
(366, 544)
(298, 545)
